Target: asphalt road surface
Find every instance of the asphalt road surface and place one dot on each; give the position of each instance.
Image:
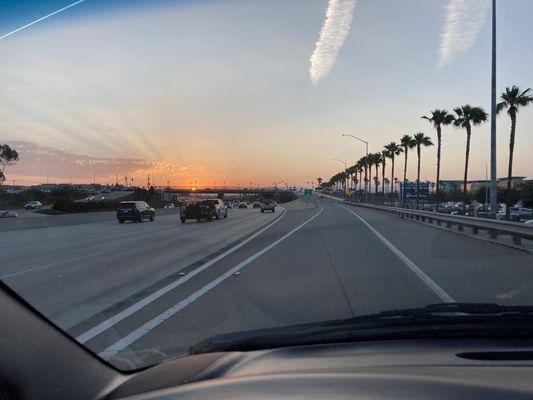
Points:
(319, 260)
(75, 266)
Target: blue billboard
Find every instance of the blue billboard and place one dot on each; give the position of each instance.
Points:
(408, 190)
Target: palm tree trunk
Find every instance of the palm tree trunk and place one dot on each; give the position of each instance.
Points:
(404, 173)
(392, 177)
(467, 155)
(377, 179)
(383, 179)
(418, 178)
(438, 168)
(510, 171)
(366, 178)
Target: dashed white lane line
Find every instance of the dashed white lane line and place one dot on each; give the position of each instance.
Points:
(434, 286)
(138, 333)
(108, 323)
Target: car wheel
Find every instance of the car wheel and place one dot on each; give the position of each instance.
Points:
(262, 210)
(120, 221)
(226, 213)
(140, 219)
(182, 220)
(211, 216)
(217, 214)
(152, 217)
(273, 209)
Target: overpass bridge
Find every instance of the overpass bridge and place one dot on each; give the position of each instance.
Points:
(168, 194)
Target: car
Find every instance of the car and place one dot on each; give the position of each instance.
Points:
(106, 191)
(267, 205)
(529, 223)
(171, 205)
(243, 205)
(8, 214)
(33, 205)
(89, 198)
(204, 210)
(256, 204)
(135, 211)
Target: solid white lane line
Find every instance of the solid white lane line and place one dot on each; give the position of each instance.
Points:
(108, 323)
(434, 286)
(138, 333)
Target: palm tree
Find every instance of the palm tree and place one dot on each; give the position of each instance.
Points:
(439, 118)
(384, 156)
(394, 150)
(359, 165)
(376, 160)
(512, 99)
(407, 142)
(420, 139)
(319, 180)
(365, 161)
(468, 116)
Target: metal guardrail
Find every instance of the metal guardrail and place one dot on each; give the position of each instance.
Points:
(516, 230)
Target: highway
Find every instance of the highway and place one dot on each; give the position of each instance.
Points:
(137, 293)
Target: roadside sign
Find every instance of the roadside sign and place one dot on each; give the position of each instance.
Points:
(308, 192)
(408, 190)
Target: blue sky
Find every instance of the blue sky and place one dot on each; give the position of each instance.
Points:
(220, 90)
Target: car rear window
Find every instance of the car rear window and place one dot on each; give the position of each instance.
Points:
(127, 206)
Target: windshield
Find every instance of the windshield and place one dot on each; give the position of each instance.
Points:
(364, 160)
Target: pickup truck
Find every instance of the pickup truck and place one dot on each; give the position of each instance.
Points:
(206, 209)
(268, 205)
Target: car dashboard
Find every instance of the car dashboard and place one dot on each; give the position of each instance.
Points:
(444, 369)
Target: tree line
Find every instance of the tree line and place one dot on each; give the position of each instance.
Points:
(464, 117)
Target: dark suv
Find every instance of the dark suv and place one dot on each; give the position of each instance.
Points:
(136, 211)
(207, 209)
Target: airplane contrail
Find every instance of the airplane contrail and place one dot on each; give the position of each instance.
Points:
(336, 27)
(40, 19)
(464, 20)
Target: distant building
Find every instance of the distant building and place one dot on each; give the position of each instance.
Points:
(516, 181)
(474, 186)
(453, 185)
(46, 187)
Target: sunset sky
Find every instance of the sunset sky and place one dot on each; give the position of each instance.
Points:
(240, 91)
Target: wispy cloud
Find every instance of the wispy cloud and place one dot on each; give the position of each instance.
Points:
(35, 161)
(41, 19)
(464, 20)
(336, 27)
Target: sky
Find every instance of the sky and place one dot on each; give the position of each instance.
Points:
(242, 91)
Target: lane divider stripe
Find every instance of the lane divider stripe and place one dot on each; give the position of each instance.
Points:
(141, 331)
(108, 323)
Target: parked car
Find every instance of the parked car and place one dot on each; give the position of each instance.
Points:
(204, 210)
(257, 204)
(171, 205)
(8, 214)
(136, 211)
(243, 205)
(33, 205)
(106, 191)
(268, 205)
(529, 223)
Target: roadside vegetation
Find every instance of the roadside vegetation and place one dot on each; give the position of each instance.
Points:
(359, 176)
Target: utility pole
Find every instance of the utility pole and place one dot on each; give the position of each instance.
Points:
(486, 185)
(493, 172)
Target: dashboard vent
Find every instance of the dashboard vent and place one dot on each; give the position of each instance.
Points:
(498, 355)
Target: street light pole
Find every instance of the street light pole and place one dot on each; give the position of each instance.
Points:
(366, 153)
(493, 177)
(486, 186)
